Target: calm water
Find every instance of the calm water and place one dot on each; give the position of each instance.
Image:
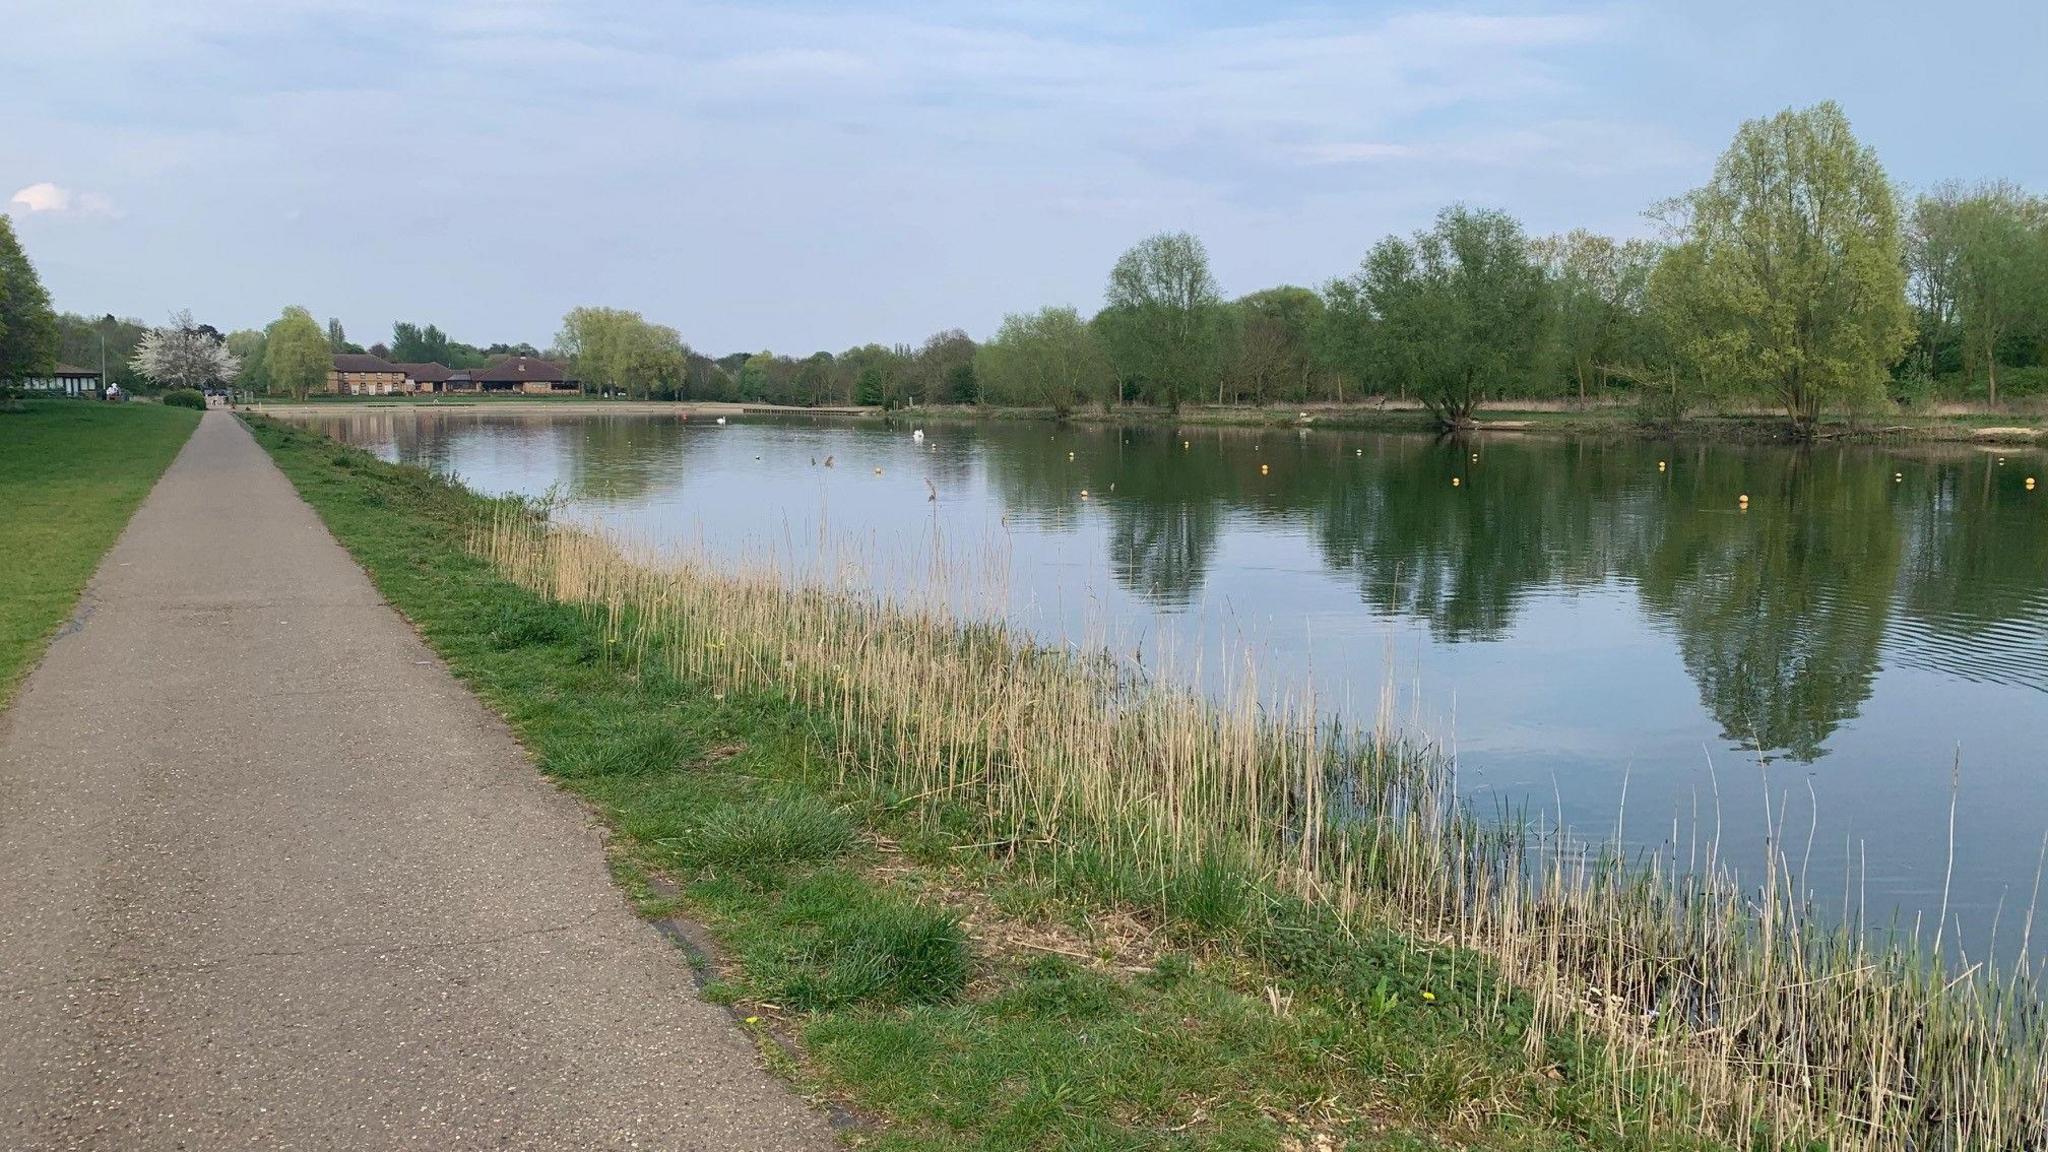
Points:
(1576, 618)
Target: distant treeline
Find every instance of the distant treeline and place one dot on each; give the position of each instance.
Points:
(1793, 277)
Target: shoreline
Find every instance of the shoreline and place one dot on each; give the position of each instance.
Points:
(1956, 424)
(791, 808)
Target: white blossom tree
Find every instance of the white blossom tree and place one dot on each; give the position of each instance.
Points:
(184, 355)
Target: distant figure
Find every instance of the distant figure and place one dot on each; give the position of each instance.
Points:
(828, 461)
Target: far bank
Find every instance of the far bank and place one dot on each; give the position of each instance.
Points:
(1947, 423)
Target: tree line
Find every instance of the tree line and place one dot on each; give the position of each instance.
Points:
(1796, 277)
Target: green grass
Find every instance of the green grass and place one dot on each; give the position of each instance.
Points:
(71, 472)
(953, 997)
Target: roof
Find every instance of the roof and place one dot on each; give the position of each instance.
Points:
(429, 372)
(70, 370)
(361, 362)
(520, 370)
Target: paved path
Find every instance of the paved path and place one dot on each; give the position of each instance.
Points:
(299, 890)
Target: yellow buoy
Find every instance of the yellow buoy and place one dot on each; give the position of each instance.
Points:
(1070, 455)
(1898, 476)
(1475, 455)
(1361, 451)
(1263, 469)
(1455, 481)
(1183, 445)
(1660, 465)
(2030, 483)
(1084, 493)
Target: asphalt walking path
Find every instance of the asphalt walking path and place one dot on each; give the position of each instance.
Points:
(270, 878)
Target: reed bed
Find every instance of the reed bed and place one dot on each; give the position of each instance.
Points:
(1744, 1014)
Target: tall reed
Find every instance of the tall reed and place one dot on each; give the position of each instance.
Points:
(1772, 1025)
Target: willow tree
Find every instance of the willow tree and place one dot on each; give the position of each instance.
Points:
(1798, 286)
(296, 352)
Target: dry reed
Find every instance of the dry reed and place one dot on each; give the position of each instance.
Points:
(1770, 1025)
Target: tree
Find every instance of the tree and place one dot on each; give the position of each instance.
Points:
(1598, 290)
(2001, 269)
(412, 344)
(1274, 353)
(185, 355)
(1799, 291)
(942, 371)
(248, 347)
(297, 353)
(1933, 244)
(106, 341)
(616, 350)
(1048, 357)
(28, 327)
(337, 339)
(1458, 310)
(1163, 311)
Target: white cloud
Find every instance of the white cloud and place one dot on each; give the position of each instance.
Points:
(48, 197)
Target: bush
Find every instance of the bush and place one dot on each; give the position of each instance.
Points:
(2020, 383)
(186, 398)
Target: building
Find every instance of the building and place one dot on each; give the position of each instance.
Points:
(427, 377)
(63, 380)
(356, 374)
(458, 381)
(526, 374)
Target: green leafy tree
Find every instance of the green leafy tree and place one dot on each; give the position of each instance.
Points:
(1458, 310)
(28, 327)
(1933, 246)
(248, 347)
(1273, 345)
(1049, 357)
(1599, 291)
(618, 351)
(942, 371)
(1164, 317)
(337, 339)
(1798, 289)
(2001, 266)
(413, 344)
(296, 353)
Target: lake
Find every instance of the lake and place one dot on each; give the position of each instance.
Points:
(1582, 620)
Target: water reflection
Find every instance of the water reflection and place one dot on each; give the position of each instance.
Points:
(1588, 611)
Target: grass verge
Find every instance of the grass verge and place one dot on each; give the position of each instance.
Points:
(72, 473)
(959, 993)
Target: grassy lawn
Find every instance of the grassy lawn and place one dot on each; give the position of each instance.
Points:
(946, 996)
(72, 472)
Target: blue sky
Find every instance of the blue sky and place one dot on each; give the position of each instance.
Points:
(807, 176)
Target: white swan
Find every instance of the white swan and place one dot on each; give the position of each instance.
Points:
(917, 436)
(721, 419)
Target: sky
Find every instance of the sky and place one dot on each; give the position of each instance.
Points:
(799, 177)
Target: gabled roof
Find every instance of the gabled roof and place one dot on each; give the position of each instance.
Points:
(519, 370)
(362, 362)
(70, 370)
(427, 373)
